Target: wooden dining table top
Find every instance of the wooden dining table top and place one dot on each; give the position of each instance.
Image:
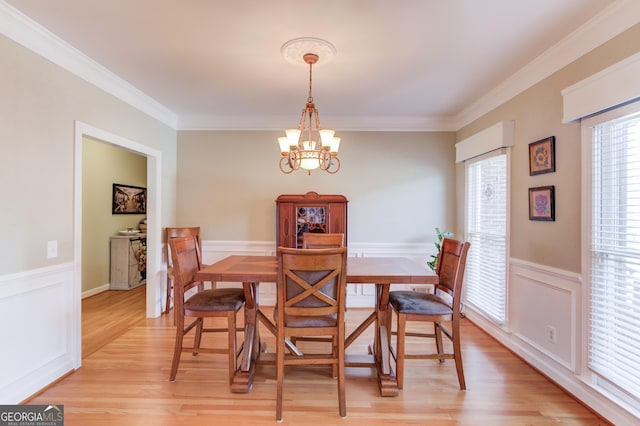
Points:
(360, 270)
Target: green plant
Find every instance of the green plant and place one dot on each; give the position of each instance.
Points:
(434, 258)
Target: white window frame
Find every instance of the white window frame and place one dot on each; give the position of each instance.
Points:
(587, 376)
(479, 309)
(494, 139)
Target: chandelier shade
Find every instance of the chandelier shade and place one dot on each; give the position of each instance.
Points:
(309, 147)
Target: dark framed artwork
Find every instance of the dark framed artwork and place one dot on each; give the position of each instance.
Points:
(542, 203)
(127, 199)
(542, 156)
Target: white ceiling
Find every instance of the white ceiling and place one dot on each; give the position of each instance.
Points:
(408, 64)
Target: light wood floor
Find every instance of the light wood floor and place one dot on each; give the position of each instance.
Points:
(109, 315)
(125, 370)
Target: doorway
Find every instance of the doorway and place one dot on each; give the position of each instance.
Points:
(154, 257)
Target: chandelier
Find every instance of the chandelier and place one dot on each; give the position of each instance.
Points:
(309, 147)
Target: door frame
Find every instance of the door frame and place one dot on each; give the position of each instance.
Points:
(154, 239)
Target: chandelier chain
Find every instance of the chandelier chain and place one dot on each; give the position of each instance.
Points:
(310, 98)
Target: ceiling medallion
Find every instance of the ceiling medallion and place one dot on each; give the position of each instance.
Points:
(294, 50)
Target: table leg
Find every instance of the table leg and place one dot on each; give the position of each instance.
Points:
(243, 378)
(360, 329)
(381, 346)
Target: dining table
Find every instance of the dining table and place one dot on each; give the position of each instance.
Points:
(382, 272)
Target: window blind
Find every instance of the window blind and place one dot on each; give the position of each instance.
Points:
(485, 274)
(614, 283)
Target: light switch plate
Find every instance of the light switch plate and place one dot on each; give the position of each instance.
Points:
(52, 249)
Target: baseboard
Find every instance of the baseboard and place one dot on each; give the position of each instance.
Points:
(94, 291)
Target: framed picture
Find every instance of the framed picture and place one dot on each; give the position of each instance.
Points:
(542, 156)
(542, 203)
(127, 199)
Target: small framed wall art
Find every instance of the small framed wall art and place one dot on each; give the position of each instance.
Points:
(128, 199)
(542, 156)
(542, 203)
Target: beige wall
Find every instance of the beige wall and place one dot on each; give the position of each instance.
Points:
(400, 185)
(103, 165)
(40, 104)
(38, 107)
(537, 113)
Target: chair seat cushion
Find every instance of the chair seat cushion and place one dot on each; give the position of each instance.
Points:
(413, 302)
(220, 299)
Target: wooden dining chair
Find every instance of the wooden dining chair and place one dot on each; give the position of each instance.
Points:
(319, 240)
(443, 305)
(175, 233)
(311, 293)
(192, 300)
(316, 240)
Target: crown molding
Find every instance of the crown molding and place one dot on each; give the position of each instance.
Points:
(612, 21)
(24, 31)
(278, 123)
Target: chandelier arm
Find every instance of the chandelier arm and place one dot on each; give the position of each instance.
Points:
(301, 126)
(285, 165)
(318, 126)
(303, 120)
(334, 161)
(310, 132)
(295, 159)
(324, 158)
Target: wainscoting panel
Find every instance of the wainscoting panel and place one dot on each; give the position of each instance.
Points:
(541, 296)
(36, 309)
(543, 311)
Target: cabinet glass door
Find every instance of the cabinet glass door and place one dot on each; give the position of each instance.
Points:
(310, 219)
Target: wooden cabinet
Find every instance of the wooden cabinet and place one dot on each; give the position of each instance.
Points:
(128, 261)
(310, 212)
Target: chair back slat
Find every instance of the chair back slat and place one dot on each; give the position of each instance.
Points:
(170, 233)
(186, 262)
(450, 269)
(317, 240)
(182, 232)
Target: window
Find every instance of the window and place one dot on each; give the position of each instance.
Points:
(486, 212)
(613, 243)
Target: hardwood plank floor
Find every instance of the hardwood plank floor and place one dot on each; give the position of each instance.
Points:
(125, 382)
(108, 315)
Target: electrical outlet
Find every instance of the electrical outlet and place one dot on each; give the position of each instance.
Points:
(551, 334)
(419, 289)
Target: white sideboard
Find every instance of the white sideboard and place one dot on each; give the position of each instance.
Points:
(128, 261)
